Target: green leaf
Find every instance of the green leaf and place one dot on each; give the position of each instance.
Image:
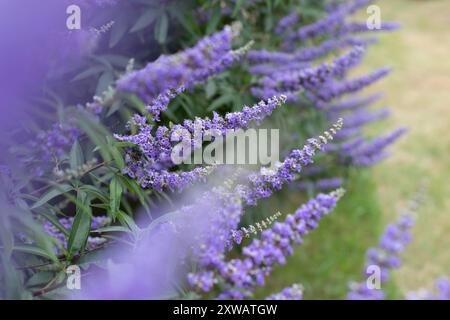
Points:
(96, 133)
(52, 193)
(186, 107)
(214, 21)
(81, 225)
(89, 73)
(221, 101)
(95, 192)
(114, 107)
(117, 32)
(111, 229)
(76, 156)
(30, 249)
(237, 7)
(6, 235)
(115, 152)
(210, 89)
(12, 287)
(115, 193)
(135, 189)
(187, 21)
(161, 28)
(40, 278)
(145, 20)
(127, 221)
(105, 80)
(115, 59)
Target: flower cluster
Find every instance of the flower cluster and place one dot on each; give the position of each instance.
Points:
(335, 90)
(364, 154)
(263, 185)
(241, 276)
(353, 103)
(311, 79)
(173, 71)
(287, 22)
(327, 25)
(321, 184)
(149, 160)
(161, 80)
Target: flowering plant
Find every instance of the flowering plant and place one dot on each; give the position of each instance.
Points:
(101, 191)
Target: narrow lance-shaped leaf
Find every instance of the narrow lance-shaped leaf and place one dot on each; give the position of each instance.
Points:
(52, 193)
(81, 225)
(76, 156)
(115, 193)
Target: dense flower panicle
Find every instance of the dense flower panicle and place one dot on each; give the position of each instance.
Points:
(262, 185)
(149, 160)
(160, 104)
(361, 117)
(267, 69)
(294, 292)
(159, 179)
(184, 79)
(243, 275)
(287, 22)
(328, 46)
(348, 146)
(354, 102)
(92, 242)
(328, 24)
(209, 57)
(334, 90)
(358, 27)
(304, 55)
(440, 292)
(158, 146)
(311, 78)
(264, 56)
(343, 64)
(366, 154)
(321, 184)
